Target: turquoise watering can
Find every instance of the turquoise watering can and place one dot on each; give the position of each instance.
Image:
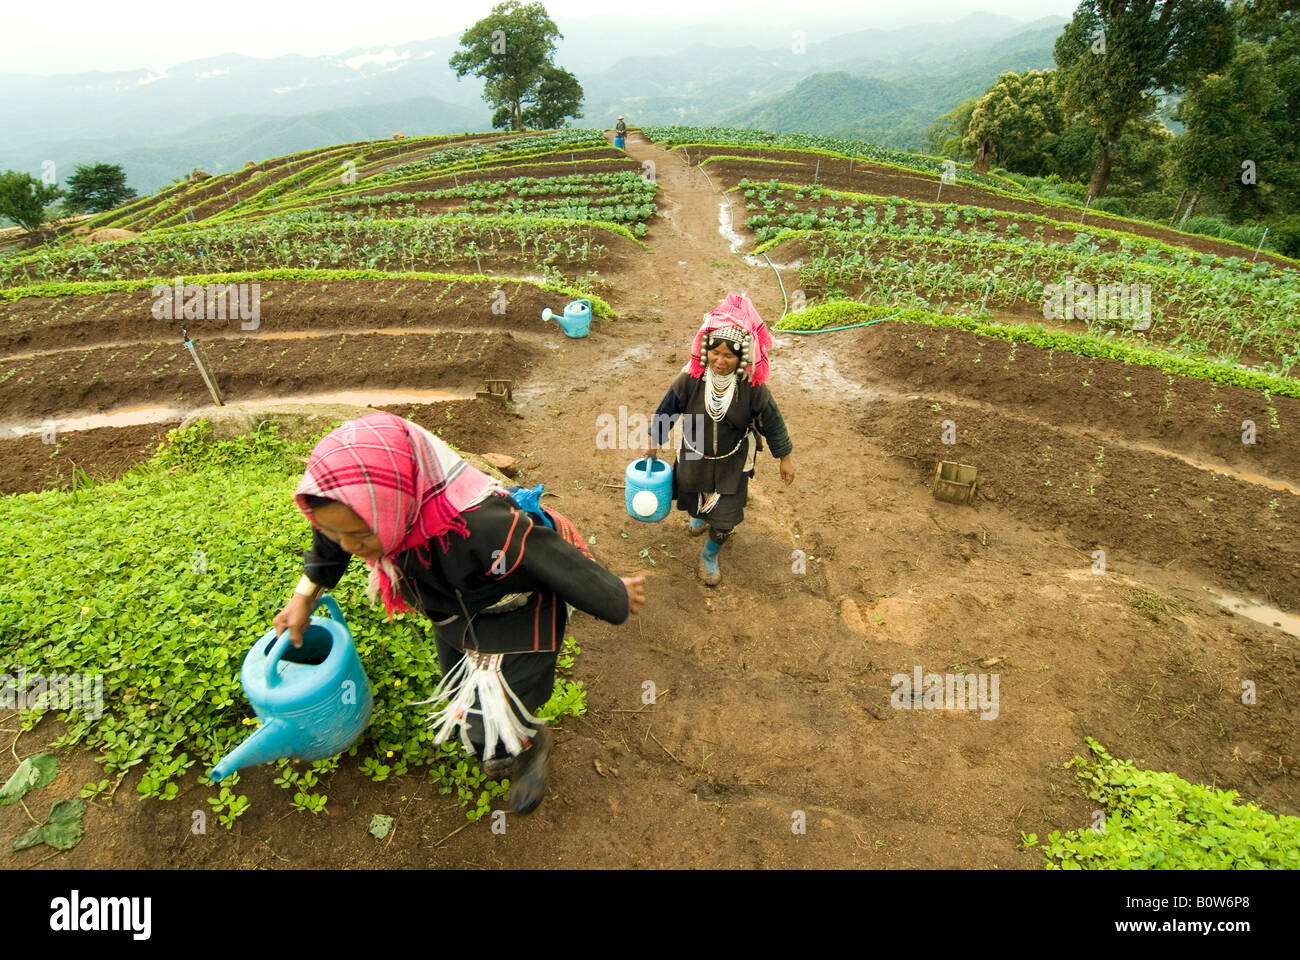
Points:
(576, 320)
(648, 489)
(313, 700)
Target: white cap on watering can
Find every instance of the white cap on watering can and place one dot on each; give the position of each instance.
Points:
(645, 503)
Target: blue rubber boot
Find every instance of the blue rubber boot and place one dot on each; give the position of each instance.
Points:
(696, 526)
(709, 570)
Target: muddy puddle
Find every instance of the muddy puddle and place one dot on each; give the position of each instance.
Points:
(1221, 470)
(135, 416)
(1259, 612)
(128, 417)
(360, 398)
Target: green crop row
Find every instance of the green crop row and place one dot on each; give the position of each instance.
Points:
(836, 146)
(1208, 311)
(310, 239)
(690, 137)
(870, 212)
(331, 193)
(472, 154)
(839, 313)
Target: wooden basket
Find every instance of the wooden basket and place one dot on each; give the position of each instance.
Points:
(954, 482)
(497, 390)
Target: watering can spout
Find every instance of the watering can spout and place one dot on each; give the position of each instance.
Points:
(271, 742)
(546, 313)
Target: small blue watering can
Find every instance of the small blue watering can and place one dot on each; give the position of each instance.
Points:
(648, 489)
(313, 700)
(576, 320)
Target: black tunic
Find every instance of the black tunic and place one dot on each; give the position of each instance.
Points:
(508, 551)
(686, 396)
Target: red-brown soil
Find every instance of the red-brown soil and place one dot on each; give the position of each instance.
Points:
(774, 688)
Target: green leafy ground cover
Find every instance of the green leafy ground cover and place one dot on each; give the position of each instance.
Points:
(1160, 821)
(162, 580)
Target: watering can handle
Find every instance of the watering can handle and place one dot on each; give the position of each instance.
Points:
(331, 605)
(282, 643)
(273, 661)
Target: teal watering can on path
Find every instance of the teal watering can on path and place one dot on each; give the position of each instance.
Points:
(575, 321)
(648, 489)
(313, 700)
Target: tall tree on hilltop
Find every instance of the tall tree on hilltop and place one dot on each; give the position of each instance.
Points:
(1115, 55)
(559, 95)
(96, 188)
(511, 49)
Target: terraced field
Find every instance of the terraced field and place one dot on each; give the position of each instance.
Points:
(424, 267)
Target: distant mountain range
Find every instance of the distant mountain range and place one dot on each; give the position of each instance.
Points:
(218, 112)
(893, 101)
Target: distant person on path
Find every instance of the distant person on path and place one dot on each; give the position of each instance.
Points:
(448, 540)
(620, 134)
(725, 408)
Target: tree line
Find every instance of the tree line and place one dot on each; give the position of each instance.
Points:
(1227, 75)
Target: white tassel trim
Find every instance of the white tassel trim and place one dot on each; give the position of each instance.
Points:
(372, 584)
(478, 677)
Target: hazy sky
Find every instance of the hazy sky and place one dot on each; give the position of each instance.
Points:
(78, 35)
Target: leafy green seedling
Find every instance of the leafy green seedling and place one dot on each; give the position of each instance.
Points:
(33, 773)
(380, 824)
(61, 830)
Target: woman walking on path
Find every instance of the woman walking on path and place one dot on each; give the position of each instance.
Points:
(725, 408)
(446, 539)
(620, 134)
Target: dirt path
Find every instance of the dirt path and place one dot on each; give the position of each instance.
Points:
(773, 691)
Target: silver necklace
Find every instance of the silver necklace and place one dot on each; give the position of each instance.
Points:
(721, 390)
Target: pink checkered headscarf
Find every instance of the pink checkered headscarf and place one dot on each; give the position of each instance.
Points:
(406, 484)
(737, 320)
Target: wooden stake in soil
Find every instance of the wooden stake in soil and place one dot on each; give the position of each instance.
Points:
(203, 369)
(987, 288)
(1261, 244)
